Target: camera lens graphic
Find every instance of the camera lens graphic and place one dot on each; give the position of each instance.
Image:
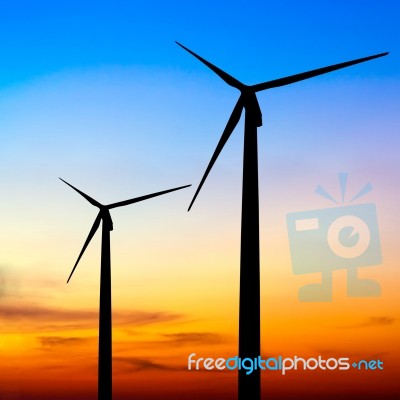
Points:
(348, 236)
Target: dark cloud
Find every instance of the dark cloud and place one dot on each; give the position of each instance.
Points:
(372, 322)
(52, 367)
(353, 353)
(142, 364)
(46, 318)
(331, 353)
(184, 338)
(22, 312)
(375, 356)
(56, 341)
(379, 321)
(143, 317)
(179, 339)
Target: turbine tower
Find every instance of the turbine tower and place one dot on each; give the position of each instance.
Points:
(105, 326)
(249, 386)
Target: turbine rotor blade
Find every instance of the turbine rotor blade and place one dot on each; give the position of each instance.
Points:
(89, 238)
(310, 74)
(141, 198)
(230, 126)
(230, 80)
(88, 198)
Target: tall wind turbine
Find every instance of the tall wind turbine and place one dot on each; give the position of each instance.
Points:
(105, 335)
(249, 303)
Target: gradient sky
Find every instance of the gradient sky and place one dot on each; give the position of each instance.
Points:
(100, 95)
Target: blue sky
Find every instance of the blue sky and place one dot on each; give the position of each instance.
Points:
(253, 39)
(99, 93)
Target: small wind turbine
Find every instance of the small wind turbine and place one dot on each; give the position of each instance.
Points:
(249, 303)
(105, 335)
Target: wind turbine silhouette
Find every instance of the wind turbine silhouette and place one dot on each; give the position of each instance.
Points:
(105, 331)
(249, 386)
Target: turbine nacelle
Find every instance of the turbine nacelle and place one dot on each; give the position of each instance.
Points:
(250, 103)
(106, 218)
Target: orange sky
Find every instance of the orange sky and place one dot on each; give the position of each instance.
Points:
(46, 347)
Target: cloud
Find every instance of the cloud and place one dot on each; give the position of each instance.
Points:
(41, 318)
(56, 341)
(178, 339)
(330, 352)
(142, 364)
(38, 313)
(143, 317)
(379, 321)
(353, 353)
(184, 338)
(372, 322)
